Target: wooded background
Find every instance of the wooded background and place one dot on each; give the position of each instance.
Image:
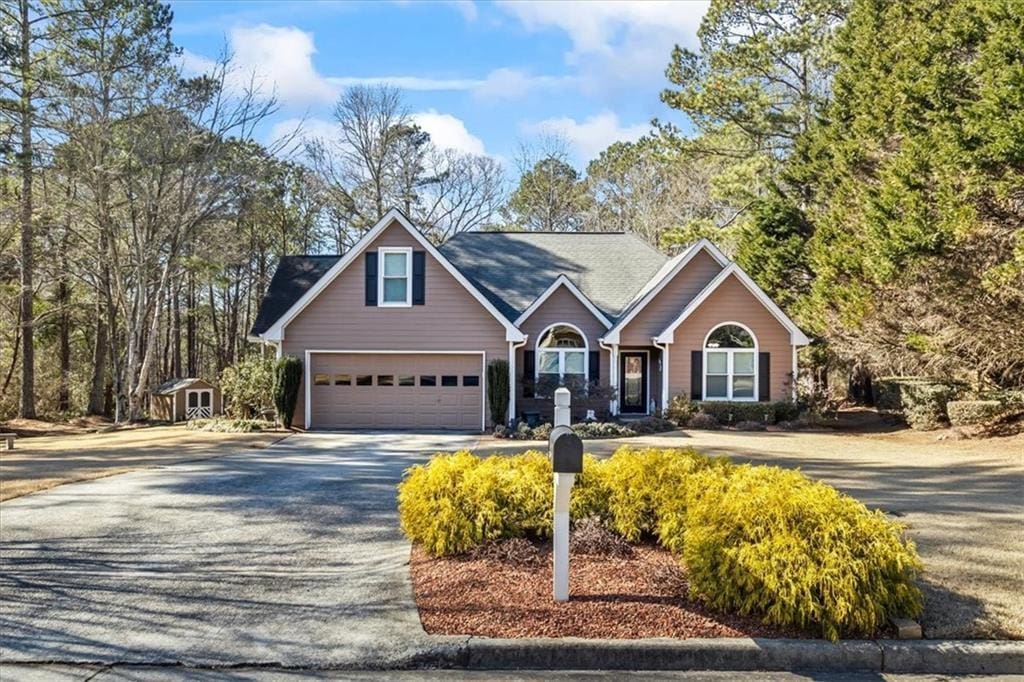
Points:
(863, 160)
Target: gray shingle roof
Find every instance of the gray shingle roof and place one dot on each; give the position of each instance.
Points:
(510, 268)
(294, 276)
(513, 268)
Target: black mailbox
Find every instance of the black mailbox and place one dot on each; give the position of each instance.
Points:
(566, 450)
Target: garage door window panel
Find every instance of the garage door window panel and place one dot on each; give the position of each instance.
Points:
(406, 381)
(385, 380)
(395, 277)
(428, 380)
(364, 380)
(449, 380)
(342, 379)
(471, 380)
(321, 379)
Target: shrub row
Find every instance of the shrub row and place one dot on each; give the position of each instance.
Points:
(230, 425)
(971, 412)
(921, 401)
(588, 430)
(729, 412)
(755, 539)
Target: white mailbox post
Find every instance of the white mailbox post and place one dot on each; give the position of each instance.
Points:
(566, 450)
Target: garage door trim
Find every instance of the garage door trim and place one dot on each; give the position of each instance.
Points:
(307, 377)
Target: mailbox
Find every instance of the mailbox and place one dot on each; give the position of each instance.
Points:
(566, 450)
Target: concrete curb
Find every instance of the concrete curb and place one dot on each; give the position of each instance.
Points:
(728, 654)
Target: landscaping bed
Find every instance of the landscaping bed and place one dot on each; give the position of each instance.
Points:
(611, 597)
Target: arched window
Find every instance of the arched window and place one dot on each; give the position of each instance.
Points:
(562, 353)
(730, 363)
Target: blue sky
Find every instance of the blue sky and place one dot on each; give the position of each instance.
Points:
(478, 76)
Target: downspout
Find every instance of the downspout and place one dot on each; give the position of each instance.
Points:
(664, 372)
(613, 374)
(512, 348)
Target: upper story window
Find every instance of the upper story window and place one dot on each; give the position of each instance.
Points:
(394, 279)
(562, 353)
(730, 363)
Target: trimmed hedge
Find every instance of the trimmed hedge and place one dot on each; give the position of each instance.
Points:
(755, 539)
(921, 401)
(971, 412)
(589, 430)
(732, 412)
(768, 541)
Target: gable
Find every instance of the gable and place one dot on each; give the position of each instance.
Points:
(563, 307)
(393, 221)
(666, 304)
(338, 315)
(738, 286)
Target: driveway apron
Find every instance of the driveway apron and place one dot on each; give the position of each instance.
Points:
(288, 555)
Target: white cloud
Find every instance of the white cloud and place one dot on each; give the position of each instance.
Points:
(588, 137)
(448, 132)
(508, 83)
(408, 82)
(275, 60)
(615, 43)
(301, 130)
(281, 57)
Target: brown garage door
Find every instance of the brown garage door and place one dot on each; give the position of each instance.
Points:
(404, 391)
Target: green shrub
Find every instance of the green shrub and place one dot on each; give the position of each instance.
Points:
(287, 378)
(680, 409)
(230, 425)
(703, 420)
(971, 412)
(767, 541)
(248, 386)
(921, 401)
(731, 412)
(458, 501)
(498, 390)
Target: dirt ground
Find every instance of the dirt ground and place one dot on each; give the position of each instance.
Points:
(962, 502)
(42, 462)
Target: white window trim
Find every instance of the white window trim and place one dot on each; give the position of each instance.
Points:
(729, 366)
(382, 252)
(561, 352)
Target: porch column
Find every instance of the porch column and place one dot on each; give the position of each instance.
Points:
(664, 377)
(613, 379)
(511, 382)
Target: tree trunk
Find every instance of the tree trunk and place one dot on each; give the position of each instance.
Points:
(28, 364)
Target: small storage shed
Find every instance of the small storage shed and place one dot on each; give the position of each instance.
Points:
(178, 400)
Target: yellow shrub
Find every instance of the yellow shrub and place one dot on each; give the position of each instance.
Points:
(457, 501)
(762, 540)
(642, 482)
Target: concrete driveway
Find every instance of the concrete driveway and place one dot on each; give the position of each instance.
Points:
(285, 555)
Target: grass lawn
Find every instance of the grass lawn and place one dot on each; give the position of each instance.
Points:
(42, 462)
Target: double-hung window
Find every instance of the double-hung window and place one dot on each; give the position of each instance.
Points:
(730, 364)
(394, 282)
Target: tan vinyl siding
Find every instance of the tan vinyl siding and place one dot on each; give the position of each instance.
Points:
(732, 302)
(670, 301)
(338, 319)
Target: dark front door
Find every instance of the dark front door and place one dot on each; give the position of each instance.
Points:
(633, 383)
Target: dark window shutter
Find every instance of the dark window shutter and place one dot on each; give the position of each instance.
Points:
(764, 377)
(529, 367)
(595, 366)
(696, 374)
(419, 270)
(371, 278)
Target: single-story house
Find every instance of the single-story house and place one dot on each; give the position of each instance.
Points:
(398, 333)
(177, 400)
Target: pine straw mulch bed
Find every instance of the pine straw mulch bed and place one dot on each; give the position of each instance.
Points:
(504, 590)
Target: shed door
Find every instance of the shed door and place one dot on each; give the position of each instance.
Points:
(396, 391)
